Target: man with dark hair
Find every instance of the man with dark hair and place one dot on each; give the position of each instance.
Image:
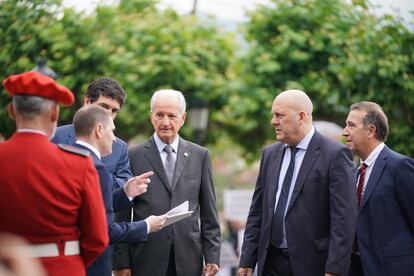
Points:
(106, 87)
(107, 93)
(384, 243)
(50, 195)
(94, 130)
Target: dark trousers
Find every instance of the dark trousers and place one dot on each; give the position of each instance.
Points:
(356, 266)
(171, 271)
(277, 263)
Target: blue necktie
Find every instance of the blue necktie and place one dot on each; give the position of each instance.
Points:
(279, 215)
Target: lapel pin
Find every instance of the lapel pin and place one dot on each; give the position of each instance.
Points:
(186, 154)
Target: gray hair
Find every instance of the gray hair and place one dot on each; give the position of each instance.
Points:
(375, 116)
(31, 106)
(169, 93)
(87, 117)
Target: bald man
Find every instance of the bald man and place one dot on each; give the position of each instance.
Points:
(303, 213)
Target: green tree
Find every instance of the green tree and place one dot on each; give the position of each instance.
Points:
(30, 29)
(159, 49)
(143, 48)
(338, 52)
(22, 39)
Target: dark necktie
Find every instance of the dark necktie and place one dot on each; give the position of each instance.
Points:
(279, 215)
(169, 164)
(360, 186)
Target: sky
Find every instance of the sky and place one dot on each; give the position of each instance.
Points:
(234, 10)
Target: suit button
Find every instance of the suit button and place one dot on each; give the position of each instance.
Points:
(169, 237)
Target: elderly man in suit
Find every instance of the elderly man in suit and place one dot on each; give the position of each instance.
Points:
(182, 171)
(50, 194)
(385, 192)
(303, 213)
(94, 129)
(107, 93)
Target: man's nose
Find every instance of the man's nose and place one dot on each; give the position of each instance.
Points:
(165, 120)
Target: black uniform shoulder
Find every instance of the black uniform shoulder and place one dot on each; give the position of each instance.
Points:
(74, 150)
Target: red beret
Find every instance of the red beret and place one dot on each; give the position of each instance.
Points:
(37, 84)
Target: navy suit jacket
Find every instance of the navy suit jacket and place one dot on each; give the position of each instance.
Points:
(321, 216)
(118, 232)
(117, 162)
(385, 229)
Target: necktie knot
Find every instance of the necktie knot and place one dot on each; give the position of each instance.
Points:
(363, 167)
(168, 149)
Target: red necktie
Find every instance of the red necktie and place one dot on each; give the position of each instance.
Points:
(360, 186)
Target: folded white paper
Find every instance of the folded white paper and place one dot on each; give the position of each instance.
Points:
(178, 213)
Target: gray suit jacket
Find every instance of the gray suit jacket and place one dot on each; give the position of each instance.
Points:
(192, 240)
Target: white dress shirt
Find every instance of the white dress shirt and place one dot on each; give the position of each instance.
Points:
(161, 145)
(370, 161)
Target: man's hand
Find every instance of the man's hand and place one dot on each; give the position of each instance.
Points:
(122, 272)
(210, 269)
(156, 222)
(244, 271)
(138, 184)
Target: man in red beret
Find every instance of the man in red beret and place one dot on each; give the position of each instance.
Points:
(50, 195)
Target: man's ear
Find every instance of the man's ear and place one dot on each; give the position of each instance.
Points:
(98, 130)
(86, 100)
(302, 116)
(372, 130)
(12, 113)
(183, 116)
(54, 115)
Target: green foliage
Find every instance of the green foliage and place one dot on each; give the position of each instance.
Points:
(144, 49)
(43, 28)
(338, 52)
(154, 50)
(21, 39)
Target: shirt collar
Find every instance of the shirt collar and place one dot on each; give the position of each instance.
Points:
(305, 141)
(373, 155)
(161, 145)
(32, 130)
(89, 146)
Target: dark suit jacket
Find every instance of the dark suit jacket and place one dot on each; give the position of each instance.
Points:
(385, 228)
(117, 162)
(118, 232)
(192, 240)
(321, 216)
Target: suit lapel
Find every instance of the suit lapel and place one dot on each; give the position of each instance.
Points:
(183, 155)
(273, 174)
(374, 177)
(153, 156)
(311, 154)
